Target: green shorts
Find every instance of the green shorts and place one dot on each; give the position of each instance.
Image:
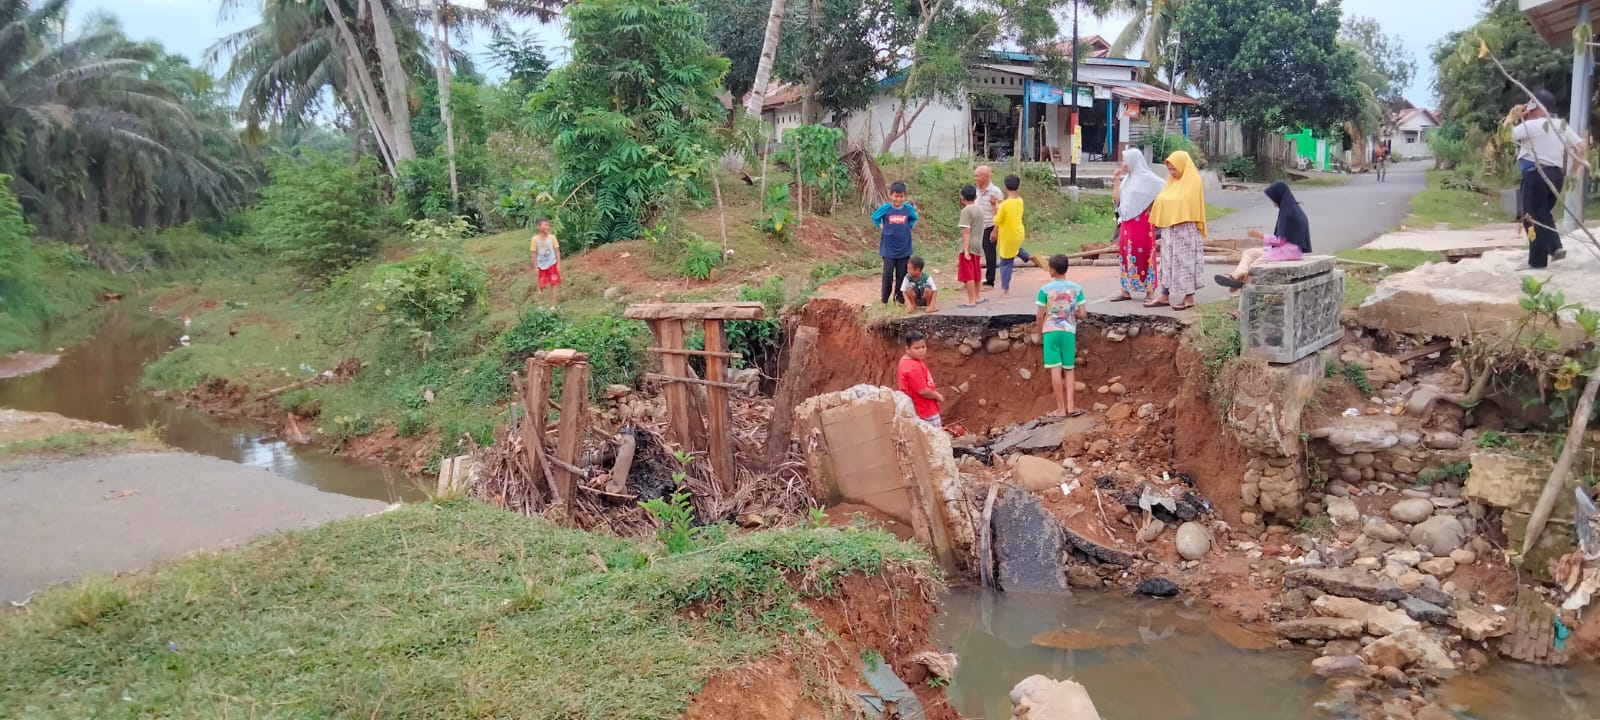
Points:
(1060, 349)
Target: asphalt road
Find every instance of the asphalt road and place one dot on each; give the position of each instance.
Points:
(1342, 217)
(68, 519)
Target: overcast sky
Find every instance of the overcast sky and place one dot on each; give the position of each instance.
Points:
(190, 26)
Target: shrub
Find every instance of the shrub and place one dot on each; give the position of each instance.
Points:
(423, 292)
(321, 215)
(700, 259)
(1163, 144)
(813, 152)
(779, 221)
(1239, 166)
(615, 346)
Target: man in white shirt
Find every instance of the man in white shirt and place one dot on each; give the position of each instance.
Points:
(1546, 145)
(989, 198)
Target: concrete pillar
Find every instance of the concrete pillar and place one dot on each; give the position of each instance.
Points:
(1582, 93)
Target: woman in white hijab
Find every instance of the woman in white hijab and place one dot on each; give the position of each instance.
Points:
(1134, 188)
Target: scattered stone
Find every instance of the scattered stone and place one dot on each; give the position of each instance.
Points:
(1116, 335)
(1025, 373)
(1080, 387)
(1405, 465)
(1193, 543)
(1477, 626)
(1083, 576)
(1346, 582)
(1034, 436)
(1319, 628)
(1041, 698)
(1382, 530)
(1343, 511)
(1440, 534)
(1433, 596)
(1152, 531)
(613, 292)
(1433, 712)
(1341, 647)
(1338, 489)
(1423, 611)
(1035, 474)
(997, 345)
(1118, 389)
(1133, 331)
(1393, 677)
(1411, 510)
(1443, 440)
(964, 350)
(1119, 411)
(1446, 503)
(1463, 556)
(1438, 567)
(1147, 410)
(1249, 519)
(1417, 493)
(1337, 665)
(1157, 587)
(1411, 580)
(1407, 648)
(1101, 407)
(1408, 558)
(1103, 390)
(1377, 620)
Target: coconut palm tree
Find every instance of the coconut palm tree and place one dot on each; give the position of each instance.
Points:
(1149, 30)
(95, 128)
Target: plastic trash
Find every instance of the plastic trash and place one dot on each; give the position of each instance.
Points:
(172, 645)
(1351, 412)
(1562, 631)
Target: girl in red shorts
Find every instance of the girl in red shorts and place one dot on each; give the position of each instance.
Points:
(547, 258)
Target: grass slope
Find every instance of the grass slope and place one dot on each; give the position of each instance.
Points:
(1455, 208)
(449, 611)
(85, 442)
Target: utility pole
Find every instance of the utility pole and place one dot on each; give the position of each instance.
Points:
(1072, 126)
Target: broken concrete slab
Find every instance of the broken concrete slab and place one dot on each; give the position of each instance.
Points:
(1028, 544)
(1040, 697)
(1040, 436)
(1346, 582)
(1514, 483)
(1478, 298)
(1320, 628)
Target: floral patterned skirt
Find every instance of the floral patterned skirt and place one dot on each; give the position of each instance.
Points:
(1137, 247)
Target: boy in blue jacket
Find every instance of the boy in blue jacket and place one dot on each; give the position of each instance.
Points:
(895, 218)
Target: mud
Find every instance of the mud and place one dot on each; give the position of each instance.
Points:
(818, 674)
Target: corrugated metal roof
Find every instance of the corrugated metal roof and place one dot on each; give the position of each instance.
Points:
(1146, 93)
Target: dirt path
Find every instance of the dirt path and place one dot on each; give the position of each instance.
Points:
(68, 519)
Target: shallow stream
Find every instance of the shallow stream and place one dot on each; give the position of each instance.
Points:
(1158, 660)
(99, 380)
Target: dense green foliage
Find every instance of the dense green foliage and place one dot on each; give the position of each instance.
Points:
(630, 119)
(813, 152)
(96, 128)
(433, 286)
(322, 216)
(615, 345)
(1472, 91)
(1270, 63)
(425, 612)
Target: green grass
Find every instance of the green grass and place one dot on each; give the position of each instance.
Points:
(1361, 280)
(85, 442)
(1455, 208)
(430, 611)
(1321, 182)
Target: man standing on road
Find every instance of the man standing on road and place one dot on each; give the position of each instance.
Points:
(1545, 146)
(989, 197)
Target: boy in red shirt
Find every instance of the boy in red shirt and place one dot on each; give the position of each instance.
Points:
(916, 381)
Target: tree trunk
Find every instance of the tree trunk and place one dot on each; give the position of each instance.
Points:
(769, 52)
(901, 124)
(808, 106)
(370, 101)
(442, 70)
(1569, 453)
(394, 81)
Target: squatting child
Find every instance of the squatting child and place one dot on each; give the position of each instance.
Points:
(1061, 306)
(918, 287)
(895, 219)
(916, 381)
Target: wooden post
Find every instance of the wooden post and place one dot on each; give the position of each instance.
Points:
(796, 374)
(574, 404)
(536, 395)
(719, 420)
(670, 333)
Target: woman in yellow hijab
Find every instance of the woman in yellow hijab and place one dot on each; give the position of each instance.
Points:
(1180, 214)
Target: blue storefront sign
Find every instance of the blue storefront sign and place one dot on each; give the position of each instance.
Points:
(1048, 94)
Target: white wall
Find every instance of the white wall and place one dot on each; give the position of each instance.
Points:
(941, 131)
(1417, 148)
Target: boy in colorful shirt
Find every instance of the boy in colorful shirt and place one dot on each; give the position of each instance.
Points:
(918, 287)
(1061, 306)
(916, 381)
(895, 219)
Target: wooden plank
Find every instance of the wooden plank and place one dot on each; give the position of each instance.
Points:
(1424, 351)
(670, 334)
(574, 413)
(793, 380)
(719, 420)
(536, 393)
(668, 379)
(696, 311)
(697, 406)
(561, 356)
(697, 353)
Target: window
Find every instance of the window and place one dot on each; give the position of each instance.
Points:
(1411, 136)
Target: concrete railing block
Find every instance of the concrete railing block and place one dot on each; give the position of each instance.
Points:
(1282, 322)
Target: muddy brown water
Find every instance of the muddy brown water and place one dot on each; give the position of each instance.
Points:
(1159, 660)
(99, 380)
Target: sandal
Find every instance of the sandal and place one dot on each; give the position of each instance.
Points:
(1228, 282)
(1156, 303)
(1122, 298)
(965, 306)
(1077, 413)
(1177, 308)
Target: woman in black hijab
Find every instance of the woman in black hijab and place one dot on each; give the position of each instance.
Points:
(1290, 238)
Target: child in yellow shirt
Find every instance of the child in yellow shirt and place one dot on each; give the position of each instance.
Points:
(1009, 234)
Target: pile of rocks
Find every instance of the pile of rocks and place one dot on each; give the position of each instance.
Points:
(624, 405)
